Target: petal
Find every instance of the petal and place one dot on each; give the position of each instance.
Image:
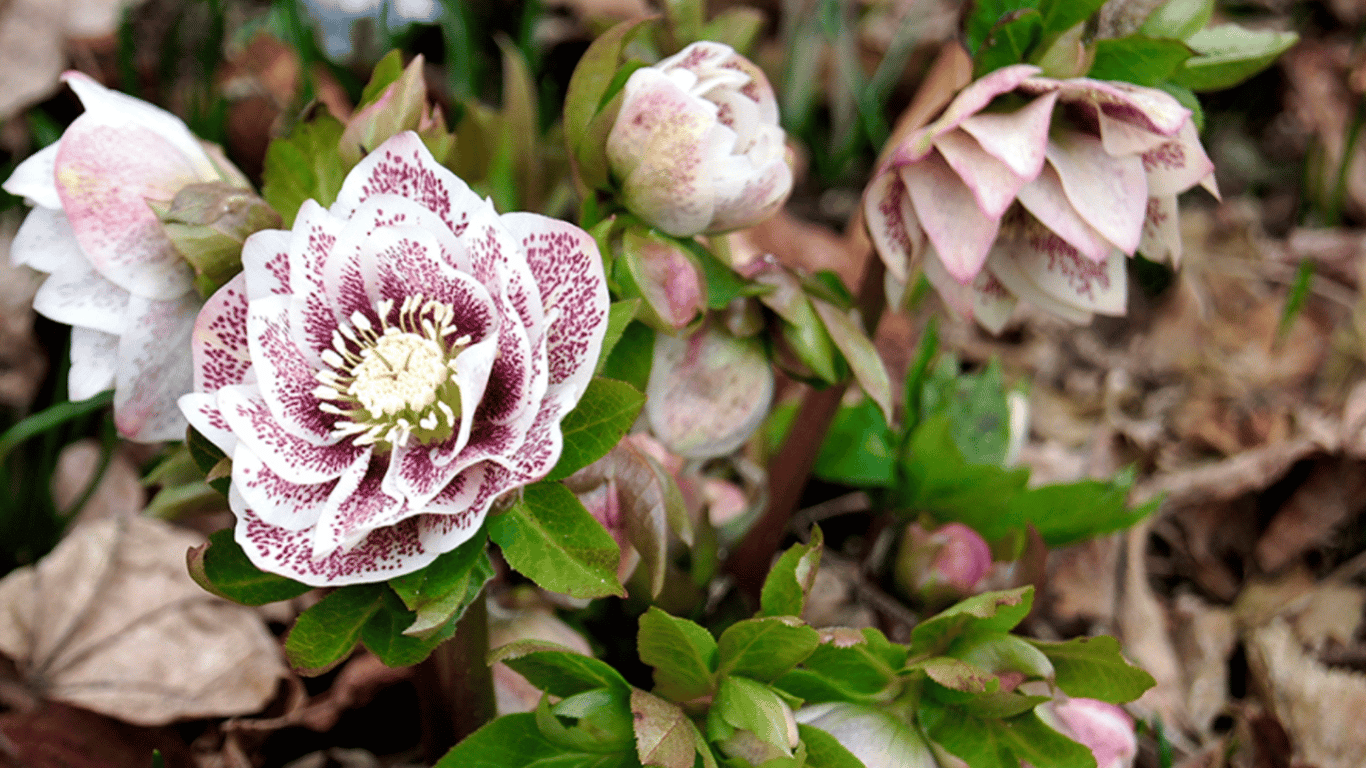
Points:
(1045, 199)
(288, 456)
(94, 362)
(265, 263)
(567, 268)
(201, 410)
(992, 302)
(35, 179)
(279, 502)
(955, 226)
(107, 107)
(349, 517)
(969, 101)
(81, 297)
(1010, 275)
(1015, 138)
(219, 347)
(1162, 231)
(892, 224)
(1109, 193)
(992, 182)
(403, 166)
(1051, 267)
(1177, 165)
(286, 375)
(955, 295)
(46, 242)
(460, 509)
(105, 176)
(1121, 138)
(1149, 109)
(310, 247)
(154, 368)
(764, 191)
(383, 554)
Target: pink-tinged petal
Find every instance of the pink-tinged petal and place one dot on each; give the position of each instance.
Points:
(955, 295)
(442, 533)
(348, 517)
(992, 182)
(1001, 264)
(567, 267)
(279, 502)
(1162, 231)
(667, 278)
(460, 509)
(992, 303)
(290, 457)
(1109, 193)
(1177, 165)
(46, 242)
(110, 108)
(541, 449)
(414, 477)
(403, 166)
(1015, 138)
(105, 176)
(1150, 109)
(661, 147)
(201, 410)
(219, 346)
(383, 554)
(154, 368)
(1211, 185)
(386, 210)
(310, 247)
(946, 208)
(94, 363)
(892, 224)
(1121, 138)
(265, 263)
(287, 377)
(81, 297)
(35, 179)
(1052, 267)
(969, 101)
(1045, 199)
(762, 194)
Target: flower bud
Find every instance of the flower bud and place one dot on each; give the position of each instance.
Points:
(696, 145)
(207, 223)
(877, 738)
(1106, 729)
(942, 566)
(658, 270)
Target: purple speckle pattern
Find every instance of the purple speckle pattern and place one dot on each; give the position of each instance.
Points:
(319, 504)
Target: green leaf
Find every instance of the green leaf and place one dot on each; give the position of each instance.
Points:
(1295, 300)
(682, 653)
(1178, 19)
(325, 634)
(723, 284)
(975, 404)
(551, 539)
(1062, 15)
(221, 567)
(514, 741)
(858, 350)
(939, 481)
(1094, 668)
(764, 648)
(304, 166)
(748, 705)
(859, 449)
(1137, 59)
(1229, 54)
(1068, 513)
(824, 751)
(386, 73)
(384, 633)
(1003, 743)
(664, 734)
(1010, 42)
(619, 315)
(557, 670)
(814, 687)
(607, 409)
(987, 612)
(631, 358)
(588, 89)
(985, 16)
(863, 666)
(789, 580)
(439, 593)
(957, 675)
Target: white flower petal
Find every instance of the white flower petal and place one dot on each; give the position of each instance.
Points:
(35, 179)
(94, 362)
(46, 242)
(1109, 193)
(960, 232)
(154, 369)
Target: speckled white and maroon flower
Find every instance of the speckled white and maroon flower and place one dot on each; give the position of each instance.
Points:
(696, 145)
(383, 372)
(1036, 188)
(114, 275)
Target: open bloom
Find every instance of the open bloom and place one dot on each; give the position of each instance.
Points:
(1036, 188)
(383, 372)
(696, 145)
(115, 276)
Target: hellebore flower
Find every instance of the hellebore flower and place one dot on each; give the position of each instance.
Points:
(1105, 729)
(1036, 188)
(876, 737)
(941, 566)
(115, 275)
(382, 373)
(696, 144)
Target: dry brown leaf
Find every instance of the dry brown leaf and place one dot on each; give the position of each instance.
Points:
(1206, 638)
(111, 621)
(55, 735)
(118, 493)
(1147, 640)
(1083, 581)
(1333, 494)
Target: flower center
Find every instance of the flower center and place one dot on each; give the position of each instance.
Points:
(395, 381)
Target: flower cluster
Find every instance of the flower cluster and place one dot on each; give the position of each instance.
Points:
(1037, 188)
(115, 275)
(386, 370)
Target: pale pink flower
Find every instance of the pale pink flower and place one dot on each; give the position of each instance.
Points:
(1036, 188)
(115, 277)
(382, 373)
(943, 565)
(1105, 729)
(696, 145)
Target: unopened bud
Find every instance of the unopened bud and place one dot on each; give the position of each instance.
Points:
(875, 736)
(942, 566)
(1105, 729)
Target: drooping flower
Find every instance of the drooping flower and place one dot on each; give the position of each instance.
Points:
(115, 275)
(1037, 188)
(696, 145)
(383, 372)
